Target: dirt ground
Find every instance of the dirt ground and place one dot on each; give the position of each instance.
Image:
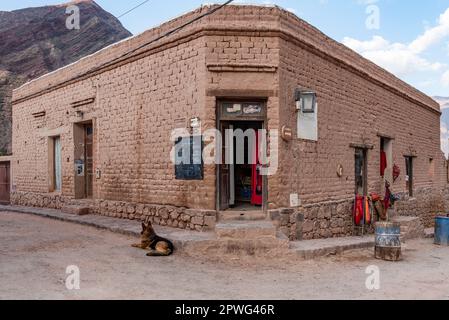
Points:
(35, 253)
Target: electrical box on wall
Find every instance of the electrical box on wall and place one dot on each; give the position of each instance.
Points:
(294, 200)
(79, 168)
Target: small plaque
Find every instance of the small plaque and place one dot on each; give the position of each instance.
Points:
(234, 108)
(252, 109)
(286, 133)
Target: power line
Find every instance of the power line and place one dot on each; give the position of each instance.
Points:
(208, 13)
(132, 9)
(212, 11)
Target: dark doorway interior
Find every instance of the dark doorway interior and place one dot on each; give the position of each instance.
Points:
(84, 159)
(88, 152)
(361, 168)
(242, 184)
(409, 175)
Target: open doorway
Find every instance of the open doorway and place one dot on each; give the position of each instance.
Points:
(245, 180)
(241, 185)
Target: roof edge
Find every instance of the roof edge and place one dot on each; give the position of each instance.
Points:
(344, 53)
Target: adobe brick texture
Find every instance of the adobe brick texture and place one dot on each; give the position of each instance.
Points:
(238, 52)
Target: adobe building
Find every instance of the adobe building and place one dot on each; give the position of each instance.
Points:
(98, 132)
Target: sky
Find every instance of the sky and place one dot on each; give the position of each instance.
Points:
(408, 38)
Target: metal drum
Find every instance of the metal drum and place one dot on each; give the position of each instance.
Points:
(442, 231)
(388, 241)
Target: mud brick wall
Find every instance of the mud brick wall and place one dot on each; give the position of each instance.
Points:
(355, 108)
(352, 110)
(239, 52)
(136, 108)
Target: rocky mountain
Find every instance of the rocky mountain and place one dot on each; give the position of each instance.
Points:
(35, 41)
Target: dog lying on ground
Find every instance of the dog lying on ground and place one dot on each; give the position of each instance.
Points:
(157, 246)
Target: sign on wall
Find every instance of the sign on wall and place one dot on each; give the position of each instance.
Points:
(189, 158)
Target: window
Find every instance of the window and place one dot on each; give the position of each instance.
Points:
(361, 172)
(56, 164)
(409, 175)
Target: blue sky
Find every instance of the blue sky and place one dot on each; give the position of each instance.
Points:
(412, 40)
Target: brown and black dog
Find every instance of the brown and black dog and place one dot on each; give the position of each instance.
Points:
(158, 246)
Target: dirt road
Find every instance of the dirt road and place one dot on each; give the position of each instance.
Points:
(35, 253)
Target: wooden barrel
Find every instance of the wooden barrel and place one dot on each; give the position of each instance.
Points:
(442, 231)
(388, 241)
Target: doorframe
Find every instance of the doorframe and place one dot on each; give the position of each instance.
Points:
(219, 120)
(80, 127)
(7, 163)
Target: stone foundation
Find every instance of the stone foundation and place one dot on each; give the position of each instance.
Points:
(316, 221)
(426, 204)
(322, 220)
(335, 218)
(164, 215)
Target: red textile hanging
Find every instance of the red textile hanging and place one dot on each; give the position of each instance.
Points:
(358, 210)
(367, 211)
(383, 163)
(256, 177)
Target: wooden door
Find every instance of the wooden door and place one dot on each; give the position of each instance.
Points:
(5, 182)
(89, 160)
(224, 171)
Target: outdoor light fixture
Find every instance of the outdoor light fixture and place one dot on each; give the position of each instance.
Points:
(305, 100)
(195, 123)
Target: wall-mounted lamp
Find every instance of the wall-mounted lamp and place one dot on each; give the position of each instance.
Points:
(305, 100)
(195, 123)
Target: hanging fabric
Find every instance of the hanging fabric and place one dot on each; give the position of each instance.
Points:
(367, 219)
(358, 210)
(383, 163)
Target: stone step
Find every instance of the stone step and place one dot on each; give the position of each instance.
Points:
(311, 249)
(411, 227)
(249, 230)
(231, 215)
(271, 247)
(79, 210)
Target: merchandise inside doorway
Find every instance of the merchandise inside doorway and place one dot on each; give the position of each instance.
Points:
(245, 183)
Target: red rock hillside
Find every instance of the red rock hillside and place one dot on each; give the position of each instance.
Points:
(35, 41)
